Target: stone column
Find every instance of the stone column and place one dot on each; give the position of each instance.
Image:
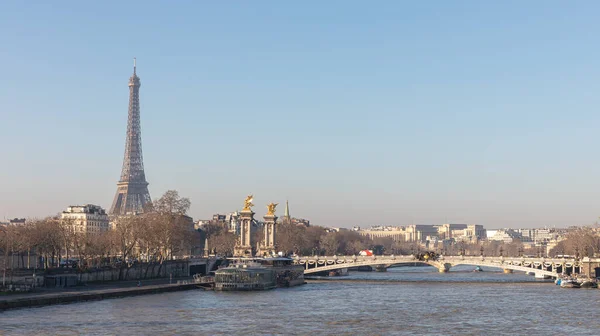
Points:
(243, 247)
(270, 228)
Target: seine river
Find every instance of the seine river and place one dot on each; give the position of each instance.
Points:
(402, 301)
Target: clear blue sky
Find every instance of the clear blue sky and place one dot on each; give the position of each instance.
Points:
(360, 113)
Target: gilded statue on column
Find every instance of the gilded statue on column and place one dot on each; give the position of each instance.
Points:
(271, 209)
(248, 203)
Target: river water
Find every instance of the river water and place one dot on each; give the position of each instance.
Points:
(402, 301)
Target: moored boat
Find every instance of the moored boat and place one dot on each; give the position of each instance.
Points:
(259, 274)
(245, 277)
(569, 283)
(588, 283)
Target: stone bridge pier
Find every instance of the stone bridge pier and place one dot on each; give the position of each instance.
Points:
(442, 266)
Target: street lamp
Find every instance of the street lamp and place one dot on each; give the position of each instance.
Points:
(5, 231)
(587, 252)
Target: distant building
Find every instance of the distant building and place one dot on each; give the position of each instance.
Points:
(545, 235)
(477, 231)
(14, 221)
(233, 222)
(300, 221)
(335, 229)
(87, 218)
(490, 233)
(230, 222)
(471, 233)
(396, 233)
(289, 219)
(201, 223)
(419, 232)
(219, 218)
(423, 233)
(448, 231)
(505, 235)
(189, 222)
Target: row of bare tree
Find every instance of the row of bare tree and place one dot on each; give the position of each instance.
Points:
(582, 241)
(315, 240)
(294, 238)
(161, 234)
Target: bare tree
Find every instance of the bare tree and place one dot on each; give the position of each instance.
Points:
(223, 243)
(329, 243)
(47, 238)
(5, 239)
(125, 237)
(584, 241)
(172, 203)
(167, 230)
(291, 237)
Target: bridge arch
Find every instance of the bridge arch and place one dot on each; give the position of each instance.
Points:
(539, 266)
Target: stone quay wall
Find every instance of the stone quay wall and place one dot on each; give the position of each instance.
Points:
(139, 271)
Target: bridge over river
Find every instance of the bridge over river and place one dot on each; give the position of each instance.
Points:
(540, 267)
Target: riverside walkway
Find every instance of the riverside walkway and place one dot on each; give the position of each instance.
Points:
(45, 296)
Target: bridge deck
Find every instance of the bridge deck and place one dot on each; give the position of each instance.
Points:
(540, 266)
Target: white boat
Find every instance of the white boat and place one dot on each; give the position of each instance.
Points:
(569, 283)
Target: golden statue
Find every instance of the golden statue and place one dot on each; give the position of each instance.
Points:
(271, 209)
(248, 203)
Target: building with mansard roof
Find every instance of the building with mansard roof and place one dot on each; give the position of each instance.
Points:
(87, 218)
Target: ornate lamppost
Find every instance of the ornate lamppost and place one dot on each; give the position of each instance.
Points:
(576, 258)
(587, 254)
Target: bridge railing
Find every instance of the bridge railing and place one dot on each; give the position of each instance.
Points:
(541, 264)
(410, 257)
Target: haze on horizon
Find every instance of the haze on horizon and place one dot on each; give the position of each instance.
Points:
(359, 114)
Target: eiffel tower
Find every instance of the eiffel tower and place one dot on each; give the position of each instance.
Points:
(132, 195)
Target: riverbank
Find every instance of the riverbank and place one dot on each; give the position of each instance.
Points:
(89, 293)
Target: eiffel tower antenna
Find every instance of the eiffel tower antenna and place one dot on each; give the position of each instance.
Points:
(132, 195)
